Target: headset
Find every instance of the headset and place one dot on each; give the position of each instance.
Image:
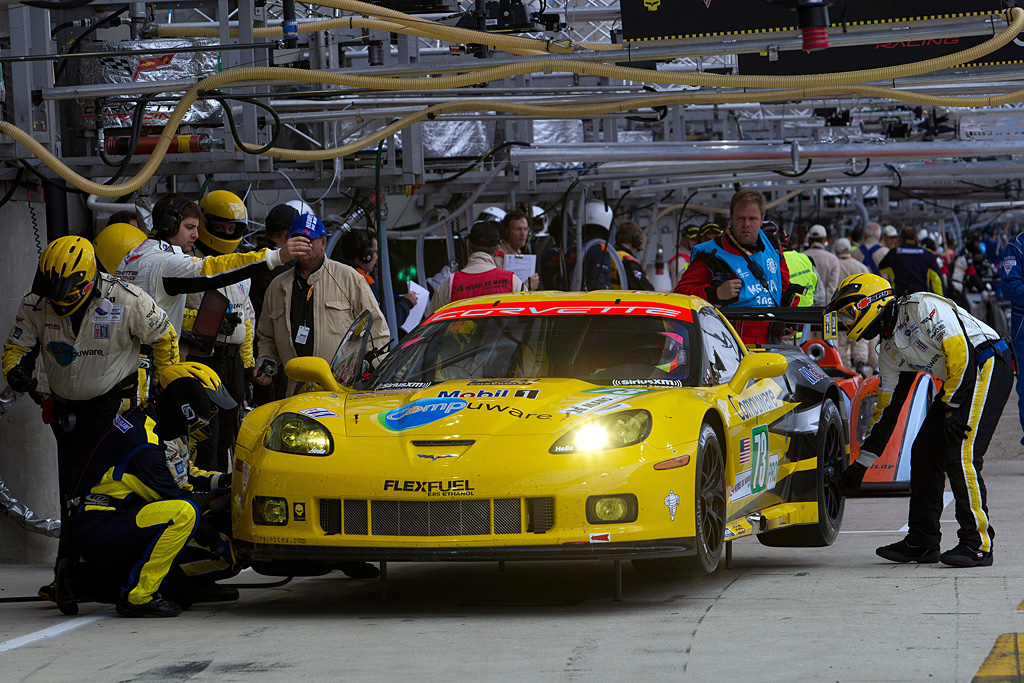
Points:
(169, 222)
(357, 244)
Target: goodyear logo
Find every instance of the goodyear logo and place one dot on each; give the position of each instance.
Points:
(420, 412)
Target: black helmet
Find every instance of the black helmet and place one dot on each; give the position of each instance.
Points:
(280, 218)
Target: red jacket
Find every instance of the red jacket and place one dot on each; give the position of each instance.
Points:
(696, 281)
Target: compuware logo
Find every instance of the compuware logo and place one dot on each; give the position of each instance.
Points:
(419, 413)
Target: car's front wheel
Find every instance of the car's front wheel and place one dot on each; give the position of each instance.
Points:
(709, 514)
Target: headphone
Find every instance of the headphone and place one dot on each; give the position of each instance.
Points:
(357, 244)
(169, 222)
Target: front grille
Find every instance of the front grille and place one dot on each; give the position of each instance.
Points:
(356, 517)
(430, 517)
(436, 517)
(330, 516)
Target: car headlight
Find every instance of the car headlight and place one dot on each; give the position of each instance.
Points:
(299, 434)
(616, 430)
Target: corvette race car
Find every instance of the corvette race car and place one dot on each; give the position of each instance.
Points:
(602, 425)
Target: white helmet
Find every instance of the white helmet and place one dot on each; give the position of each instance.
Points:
(300, 206)
(922, 235)
(599, 214)
(540, 220)
(491, 213)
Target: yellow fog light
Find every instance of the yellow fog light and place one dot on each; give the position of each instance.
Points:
(617, 509)
(269, 511)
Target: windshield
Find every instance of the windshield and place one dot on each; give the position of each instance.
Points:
(598, 349)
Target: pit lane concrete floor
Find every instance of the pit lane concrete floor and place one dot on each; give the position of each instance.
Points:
(829, 614)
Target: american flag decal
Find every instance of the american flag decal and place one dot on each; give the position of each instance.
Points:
(745, 451)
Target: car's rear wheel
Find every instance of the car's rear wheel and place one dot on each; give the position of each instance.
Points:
(831, 454)
(709, 514)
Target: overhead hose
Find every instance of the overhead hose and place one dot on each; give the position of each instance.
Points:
(494, 40)
(827, 86)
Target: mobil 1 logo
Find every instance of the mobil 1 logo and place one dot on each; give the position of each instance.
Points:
(765, 467)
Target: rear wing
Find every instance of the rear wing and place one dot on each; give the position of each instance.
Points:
(799, 315)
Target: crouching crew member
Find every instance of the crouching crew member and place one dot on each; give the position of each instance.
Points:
(89, 328)
(133, 520)
(480, 277)
(925, 332)
(740, 268)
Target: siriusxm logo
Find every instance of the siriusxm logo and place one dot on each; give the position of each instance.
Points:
(420, 412)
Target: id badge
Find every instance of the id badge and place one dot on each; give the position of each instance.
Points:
(302, 335)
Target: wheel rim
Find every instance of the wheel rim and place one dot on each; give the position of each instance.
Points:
(711, 511)
(831, 467)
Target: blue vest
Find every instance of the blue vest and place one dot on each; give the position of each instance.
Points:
(753, 292)
(869, 257)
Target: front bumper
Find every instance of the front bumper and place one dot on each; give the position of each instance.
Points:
(267, 552)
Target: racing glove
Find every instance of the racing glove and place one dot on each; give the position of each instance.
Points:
(228, 323)
(956, 426)
(852, 478)
(21, 380)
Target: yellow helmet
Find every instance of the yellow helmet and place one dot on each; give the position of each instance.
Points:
(206, 375)
(221, 206)
(67, 273)
(859, 301)
(114, 243)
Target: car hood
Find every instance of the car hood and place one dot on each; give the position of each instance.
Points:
(453, 409)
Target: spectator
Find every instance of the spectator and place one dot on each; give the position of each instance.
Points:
(741, 268)
(872, 251)
(910, 267)
(627, 240)
(359, 251)
(308, 310)
(825, 262)
(480, 277)
(853, 353)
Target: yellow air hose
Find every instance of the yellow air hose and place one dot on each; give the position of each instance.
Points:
(824, 85)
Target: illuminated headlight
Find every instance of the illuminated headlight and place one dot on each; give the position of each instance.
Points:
(271, 511)
(616, 430)
(618, 509)
(299, 434)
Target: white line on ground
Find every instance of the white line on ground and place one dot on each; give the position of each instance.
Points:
(50, 632)
(947, 498)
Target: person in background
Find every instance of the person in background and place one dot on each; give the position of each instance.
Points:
(480, 277)
(677, 264)
(359, 251)
(514, 230)
(628, 239)
(740, 268)
(309, 309)
(853, 353)
(910, 267)
(707, 232)
(130, 217)
(890, 238)
(825, 263)
(1013, 291)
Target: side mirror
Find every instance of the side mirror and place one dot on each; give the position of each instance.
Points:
(756, 366)
(312, 369)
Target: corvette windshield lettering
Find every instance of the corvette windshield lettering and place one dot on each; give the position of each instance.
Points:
(567, 308)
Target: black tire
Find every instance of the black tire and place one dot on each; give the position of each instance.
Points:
(831, 452)
(709, 514)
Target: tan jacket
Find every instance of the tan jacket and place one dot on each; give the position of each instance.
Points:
(106, 348)
(340, 295)
(827, 265)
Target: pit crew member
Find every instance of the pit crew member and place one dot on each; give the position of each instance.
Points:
(926, 332)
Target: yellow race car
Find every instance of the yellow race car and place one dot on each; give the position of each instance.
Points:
(602, 425)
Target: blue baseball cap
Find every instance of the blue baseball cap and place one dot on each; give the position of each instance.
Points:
(308, 226)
